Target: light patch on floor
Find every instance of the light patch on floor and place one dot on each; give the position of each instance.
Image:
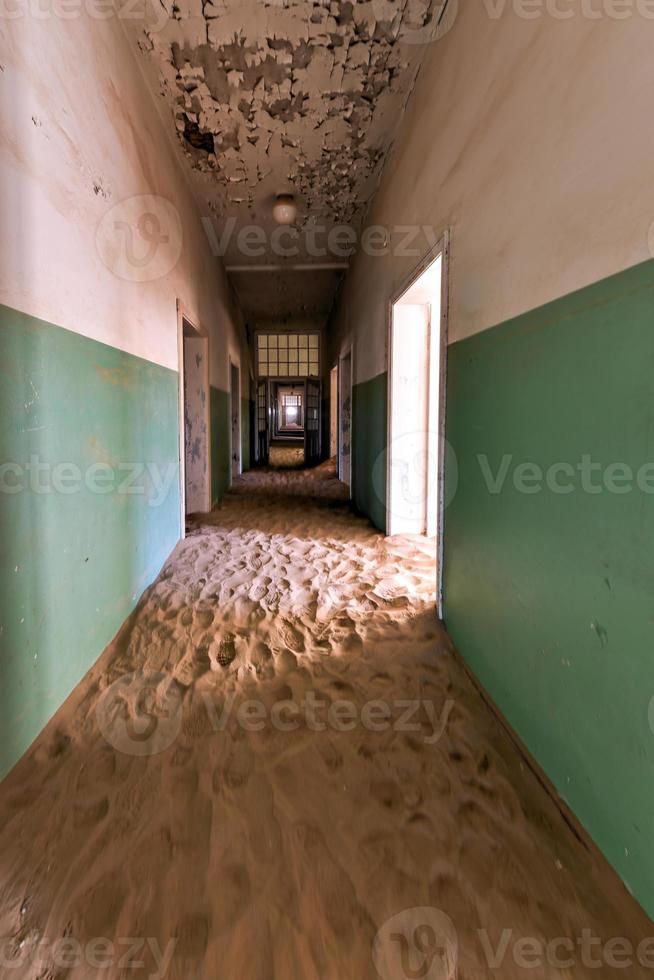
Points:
(286, 457)
(267, 840)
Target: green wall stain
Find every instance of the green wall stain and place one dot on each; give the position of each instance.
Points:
(549, 596)
(73, 561)
(220, 440)
(245, 434)
(369, 423)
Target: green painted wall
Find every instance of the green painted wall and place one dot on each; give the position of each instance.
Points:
(369, 423)
(245, 434)
(549, 596)
(79, 545)
(220, 438)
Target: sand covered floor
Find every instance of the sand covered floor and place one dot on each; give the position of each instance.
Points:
(278, 755)
(286, 456)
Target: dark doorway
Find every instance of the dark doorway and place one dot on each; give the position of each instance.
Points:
(312, 423)
(235, 393)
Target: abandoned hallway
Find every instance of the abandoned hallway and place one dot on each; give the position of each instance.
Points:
(326, 489)
(322, 762)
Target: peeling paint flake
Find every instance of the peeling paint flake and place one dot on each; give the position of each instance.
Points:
(296, 95)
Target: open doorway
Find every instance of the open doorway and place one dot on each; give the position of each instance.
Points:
(235, 400)
(288, 421)
(345, 418)
(313, 398)
(195, 472)
(288, 410)
(416, 413)
(333, 411)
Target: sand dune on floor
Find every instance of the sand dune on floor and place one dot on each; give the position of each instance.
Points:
(321, 765)
(289, 457)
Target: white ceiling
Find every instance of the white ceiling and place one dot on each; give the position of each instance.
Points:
(301, 96)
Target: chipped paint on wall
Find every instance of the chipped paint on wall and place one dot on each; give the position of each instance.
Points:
(59, 189)
(196, 428)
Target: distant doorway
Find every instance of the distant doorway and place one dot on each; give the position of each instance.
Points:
(288, 410)
(235, 399)
(416, 412)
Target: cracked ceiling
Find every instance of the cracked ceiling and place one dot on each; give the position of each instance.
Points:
(273, 96)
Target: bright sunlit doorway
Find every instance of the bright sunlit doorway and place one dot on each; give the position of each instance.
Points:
(416, 410)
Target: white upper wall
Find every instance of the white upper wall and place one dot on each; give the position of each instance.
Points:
(83, 158)
(532, 140)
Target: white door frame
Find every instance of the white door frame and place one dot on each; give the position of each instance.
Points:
(183, 315)
(441, 248)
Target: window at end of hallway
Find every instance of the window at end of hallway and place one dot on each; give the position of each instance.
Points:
(292, 355)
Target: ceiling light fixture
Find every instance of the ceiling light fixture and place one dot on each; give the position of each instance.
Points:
(285, 209)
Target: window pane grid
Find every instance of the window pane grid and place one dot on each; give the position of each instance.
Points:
(288, 355)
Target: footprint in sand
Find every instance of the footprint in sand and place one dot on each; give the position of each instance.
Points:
(272, 599)
(259, 590)
(236, 771)
(290, 638)
(223, 653)
(188, 669)
(204, 618)
(330, 755)
(261, 656)
(285, 662)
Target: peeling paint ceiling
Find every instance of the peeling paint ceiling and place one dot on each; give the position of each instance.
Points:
(273, 96)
